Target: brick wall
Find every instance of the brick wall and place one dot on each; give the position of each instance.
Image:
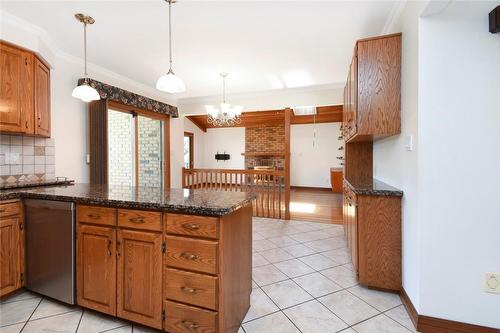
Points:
(150, 152)
(120, 155)
(265, 139)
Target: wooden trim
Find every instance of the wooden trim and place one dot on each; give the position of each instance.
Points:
(191, 148)
(311, 188)
(426, 324)
(378, 37)
(116, 106)
(288, 114)
(197, 124)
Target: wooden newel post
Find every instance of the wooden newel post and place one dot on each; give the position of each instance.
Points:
(288, 113)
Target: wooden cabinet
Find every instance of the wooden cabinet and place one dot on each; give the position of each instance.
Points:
(372, 96)
(373, 229)
(336, 179)
(42, 99)
(96, 268)
(24, 92)
(119, 270)
(11, 247)
(139, 279)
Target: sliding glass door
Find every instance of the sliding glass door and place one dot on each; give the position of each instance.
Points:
(136, 148)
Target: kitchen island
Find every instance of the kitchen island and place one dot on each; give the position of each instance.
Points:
(176, 259)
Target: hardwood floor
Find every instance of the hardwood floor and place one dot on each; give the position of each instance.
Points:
(318, 205)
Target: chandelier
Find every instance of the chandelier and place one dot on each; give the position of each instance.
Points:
(226, 115)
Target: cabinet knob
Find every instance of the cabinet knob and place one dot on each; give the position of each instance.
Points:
(191, 226)
(137, 220)
(189, 256)
(109, 247)
(189, 290)
(190, 324)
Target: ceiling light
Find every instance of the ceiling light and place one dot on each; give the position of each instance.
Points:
(84, 91)
(170, 82)
(226, 115)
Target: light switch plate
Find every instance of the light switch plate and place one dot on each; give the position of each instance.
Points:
(409, 143)
(492, 283)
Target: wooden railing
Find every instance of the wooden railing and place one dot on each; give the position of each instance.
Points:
(270, 187)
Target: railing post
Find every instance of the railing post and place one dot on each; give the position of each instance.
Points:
(288, 113)
(183, 177)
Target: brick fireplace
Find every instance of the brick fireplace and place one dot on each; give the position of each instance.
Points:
(265, 146)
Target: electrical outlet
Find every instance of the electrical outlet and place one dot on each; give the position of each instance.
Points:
(409, 143)
(492, 283)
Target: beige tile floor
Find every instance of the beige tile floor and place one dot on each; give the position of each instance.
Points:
(302, 282)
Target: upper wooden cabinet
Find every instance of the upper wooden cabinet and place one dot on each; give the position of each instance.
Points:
(372, 96)
(24, 92)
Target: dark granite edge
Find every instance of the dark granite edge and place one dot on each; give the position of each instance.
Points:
(189, 210)
(22, 185)
(378, 188)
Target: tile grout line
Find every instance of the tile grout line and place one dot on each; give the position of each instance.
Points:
(31, 315)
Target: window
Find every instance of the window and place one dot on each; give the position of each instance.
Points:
(188, 150)
(136, 147)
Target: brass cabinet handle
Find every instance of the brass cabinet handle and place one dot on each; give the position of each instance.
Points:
(118, 243)
(189, 256)
(189, 290)
(191, 226)
(137, 220)
(190, 324)
(39, 121)
(27, 125)
(109, 247)
(94, 216)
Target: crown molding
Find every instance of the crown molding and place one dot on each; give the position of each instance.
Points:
(393, 17)
(45, 47)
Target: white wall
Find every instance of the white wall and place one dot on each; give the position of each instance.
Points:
(310, 166)
(398, 167)
(229, 140)
(459, 163)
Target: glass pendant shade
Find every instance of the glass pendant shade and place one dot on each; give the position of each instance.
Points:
(170, 83)
(225, 115)
(86, 93)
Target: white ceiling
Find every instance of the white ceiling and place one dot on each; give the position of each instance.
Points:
(263, 45)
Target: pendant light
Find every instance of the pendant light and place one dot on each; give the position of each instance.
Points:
(170, 82)
(84, 91)
(226, 115)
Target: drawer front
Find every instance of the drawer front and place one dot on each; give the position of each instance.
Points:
(96, 215)
(189, 225)
(187, 319)
(192, 254)
(10, 209)
(191, 288)
(139, 219)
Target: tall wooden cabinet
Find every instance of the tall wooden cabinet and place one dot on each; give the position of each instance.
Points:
(11, 247)
(24, 92)
(372, 210)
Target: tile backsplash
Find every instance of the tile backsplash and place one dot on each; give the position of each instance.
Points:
(25, 158)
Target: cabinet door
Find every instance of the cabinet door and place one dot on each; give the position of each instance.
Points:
(42, 99)
(10, 255)
(11, 81)
(354, 93)
(139, 292)
(353, 220)
(27, 98)
(96, 268)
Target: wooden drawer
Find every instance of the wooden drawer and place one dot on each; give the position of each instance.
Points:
(96, 215)
(10, 209)
(191, 288)
(192, 254)
(190, 225)
(139, 219)
(187, 319)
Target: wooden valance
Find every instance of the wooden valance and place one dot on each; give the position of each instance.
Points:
(129, 98)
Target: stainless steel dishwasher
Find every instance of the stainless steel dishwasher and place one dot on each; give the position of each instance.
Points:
(50, 248)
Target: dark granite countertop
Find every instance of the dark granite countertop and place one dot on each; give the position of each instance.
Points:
(45, 182)
(195, 202)
(375, 188)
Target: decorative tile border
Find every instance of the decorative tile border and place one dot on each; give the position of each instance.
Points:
(113, 93)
